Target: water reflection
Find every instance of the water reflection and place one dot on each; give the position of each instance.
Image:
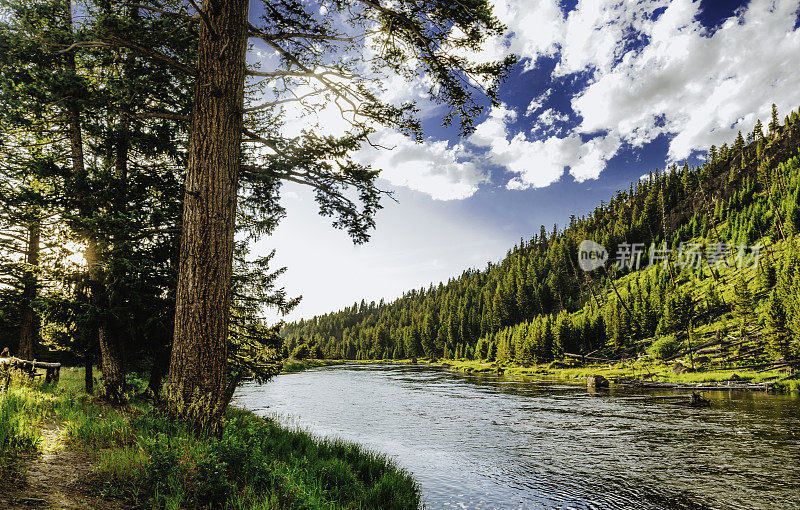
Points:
(485, 441)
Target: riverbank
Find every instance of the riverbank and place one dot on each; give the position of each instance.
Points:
(645, 371)
(135, 457)
(292, 365)
(626, 372)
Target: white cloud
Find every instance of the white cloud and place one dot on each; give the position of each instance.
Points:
(700, 87)
(537, 29)
(676, 78)
(537, 102)
(539, 163)
(697, 86)
(595, 32)
(435, 168)
(547, 122)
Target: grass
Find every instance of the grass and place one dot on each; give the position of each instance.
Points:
(142, 456)
(626, 370)
(640, 369)
(292, 365)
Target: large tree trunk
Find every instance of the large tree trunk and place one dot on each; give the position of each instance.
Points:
(29, 325)
(107, 304)
(88, 362)
(112, 363)
(196, 391)
(90, 331)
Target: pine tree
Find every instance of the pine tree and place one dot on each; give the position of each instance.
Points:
(743, 304)
(774, 123)
(758, 131)
(779, 334)
(198, 372)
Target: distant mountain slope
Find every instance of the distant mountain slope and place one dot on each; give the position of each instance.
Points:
(537, 303)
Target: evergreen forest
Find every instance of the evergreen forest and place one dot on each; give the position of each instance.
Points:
(718, 258)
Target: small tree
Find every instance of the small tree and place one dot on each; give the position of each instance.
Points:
(301, 352)
(777, 325)
(774, 123)
(743, 304)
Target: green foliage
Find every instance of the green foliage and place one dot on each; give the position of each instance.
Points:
(301, 352)
(664, 347)
(743, 303)
(678, 312)
(144, 456)
(18, 432)
(535, 304)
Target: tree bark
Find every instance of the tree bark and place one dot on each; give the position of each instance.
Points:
(91, 331)
(197, 389)
(88, 376)
(29, 324)
(112, 361)
(111, 365)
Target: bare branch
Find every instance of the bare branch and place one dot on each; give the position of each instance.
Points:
(282, 101)
(163, 115)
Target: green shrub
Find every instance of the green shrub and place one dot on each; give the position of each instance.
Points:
(301, 352)
(664, 347)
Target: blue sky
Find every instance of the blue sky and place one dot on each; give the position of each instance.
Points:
(606, 91)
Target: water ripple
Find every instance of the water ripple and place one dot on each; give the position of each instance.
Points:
(484, 441)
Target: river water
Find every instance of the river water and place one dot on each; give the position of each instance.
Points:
(485, 441)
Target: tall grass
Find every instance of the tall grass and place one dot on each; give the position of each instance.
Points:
(142, 456)
(19, 431)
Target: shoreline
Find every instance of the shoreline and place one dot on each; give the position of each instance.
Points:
(622, 374)
(129, 457)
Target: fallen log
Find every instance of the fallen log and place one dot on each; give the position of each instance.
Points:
(757, 350)
(766, 366)
(660, 397)
(35, 364)
(781, 364)
(693, 399)
(729, 346)
(52, 370)
(790, 376)
(729, 385)
(582, 357)
(695, 349)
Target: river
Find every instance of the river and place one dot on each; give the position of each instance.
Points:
(486, 441)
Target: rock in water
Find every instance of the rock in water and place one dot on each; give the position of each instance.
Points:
(596, 381)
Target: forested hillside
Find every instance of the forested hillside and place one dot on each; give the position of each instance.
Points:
(738, 214)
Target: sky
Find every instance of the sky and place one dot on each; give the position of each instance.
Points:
(605, 92)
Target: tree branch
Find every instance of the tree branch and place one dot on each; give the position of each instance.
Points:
(113, 42)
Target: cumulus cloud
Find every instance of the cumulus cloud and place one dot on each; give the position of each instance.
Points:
(653, 69)
(650, 68)
(537, 102)
(700, 87)
(539, 163)
(436, 168)
(547, 122)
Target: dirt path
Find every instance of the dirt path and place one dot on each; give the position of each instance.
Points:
(57, 479)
